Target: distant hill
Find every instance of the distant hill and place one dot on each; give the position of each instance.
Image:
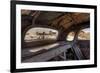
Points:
(84, 35)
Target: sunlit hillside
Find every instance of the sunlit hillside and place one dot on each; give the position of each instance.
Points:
(83, 35)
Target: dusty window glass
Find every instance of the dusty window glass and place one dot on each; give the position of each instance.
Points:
(39, 34)
(84, 34)
(70, 36)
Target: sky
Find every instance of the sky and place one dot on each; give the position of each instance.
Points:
(86, 30)
(34, 30)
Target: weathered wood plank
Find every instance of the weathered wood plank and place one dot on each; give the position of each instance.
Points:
(49, 54)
